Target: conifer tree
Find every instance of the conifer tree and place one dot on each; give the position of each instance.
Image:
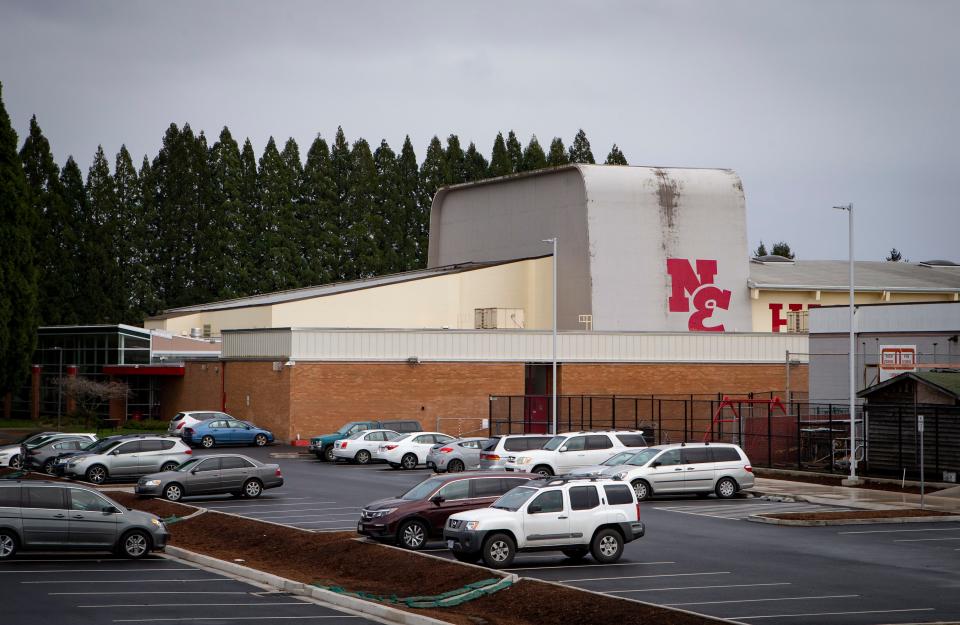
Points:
(144, 289)
(455, 160)
(616, 157)
(317, 199)
(760, 251)
(19, 315)
(580, 149)
(388, 218)
(514, 153)
(340, 164)
(222, 255)
(533, 156)
(499, 159)
(245, 282)
(131, 242)
(100, 271)
(363, 229)
(476, 165)
(558, 153)
(290, 219)
(432, 177)
(278, 187)
(77, 207)
(415, 221)
(782, 248)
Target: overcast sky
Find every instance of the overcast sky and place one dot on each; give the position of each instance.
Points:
(813, 103)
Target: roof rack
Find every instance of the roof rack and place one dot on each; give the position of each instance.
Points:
(563, 479)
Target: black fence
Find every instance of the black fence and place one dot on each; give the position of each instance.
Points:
(787, 435)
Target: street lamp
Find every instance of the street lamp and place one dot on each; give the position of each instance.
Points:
(553, 410)
(852, 360)
(59, 384)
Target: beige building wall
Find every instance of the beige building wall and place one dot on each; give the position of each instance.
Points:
(252, 317)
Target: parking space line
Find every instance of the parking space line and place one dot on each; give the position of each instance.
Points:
(921, 540)
(21, 572)
(321, 522)
(760, 600)
(261, 504)
(127, 581)
(352, 515)
(232, 618)
(932, 529)
(604, 579)
(44, 561)
(191, 605)
(157, 592)
(580, 566)
(613, 592)
(743, 618)
(306, 510)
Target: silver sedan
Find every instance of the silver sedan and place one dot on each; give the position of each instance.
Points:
(462, 454)
(209, 475)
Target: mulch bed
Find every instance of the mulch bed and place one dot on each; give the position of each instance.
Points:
(855, 514)
(33, 475)
(830, 480)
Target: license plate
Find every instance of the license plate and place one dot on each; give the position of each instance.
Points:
(449, 544)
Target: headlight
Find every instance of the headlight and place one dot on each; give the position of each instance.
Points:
(157, 522)
(376, 514)
(524, 460)
(472, 525)
(71, 465)
(620, 476)
(152, 483)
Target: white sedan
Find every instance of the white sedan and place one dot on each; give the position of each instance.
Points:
(360, 447)
(410, 450)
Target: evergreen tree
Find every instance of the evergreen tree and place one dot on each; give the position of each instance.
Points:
(278, 250)
(387, 217)
(533, 156)
(782, 248)
(131, 242)
(616, 157)
(432, 177)
(514, 153)
(499, 159)
(77, 208)
(363, 234)
(415, 222)
(144, 292)
(760, 251)
(455, 161)
(340, 164)
(55, 240)
(558, 153)
(223, 254)
(894, 256)
(476, 165)
(317, 200)
(19, 314)
(580, 149)
(245, 282)
(290, 220)
(100, 253)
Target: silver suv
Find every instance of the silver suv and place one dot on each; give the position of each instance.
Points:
(51, 515)
(129, 458)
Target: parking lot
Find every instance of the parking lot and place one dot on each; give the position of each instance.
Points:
(80, 589)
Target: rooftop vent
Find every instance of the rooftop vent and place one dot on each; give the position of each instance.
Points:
(939, 263)
(773, 259)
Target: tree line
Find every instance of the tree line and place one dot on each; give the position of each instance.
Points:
(200, 222)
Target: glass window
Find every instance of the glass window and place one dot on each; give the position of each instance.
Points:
(456, 490)
(514, 498)
(695, 455)
(9, 497)
(470, 444)
(129, 448)
(206, 416)
(576, 443)
(422, 489)
(151, 445)
(218, 424)
(488, 487)
(632, 440)
(188, 465)
(550, 501)
(534, 442)
(491, 443)
(725, 454)
(617, 495)
(584, 497)
(86, 500)
(669, 458)
(235, 462)
(48, 497)
(511, 482)
(643, 457)
(442, 438)
(618, 459)
(210, 464)
(165, 445)
(599, 441)
(424, 439)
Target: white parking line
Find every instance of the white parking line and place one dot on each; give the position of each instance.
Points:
(21, 572)
(158, 592)
(759, 600)
(921, 540)
(127, 581)
(743, 618)
(232, 618)
(190, 605)
(262, 504)
(613, 592)
(349, 515)
(304, 510)
(932, 529)
(579, 566)
(322, 522)
(45, 561)
(604, 579)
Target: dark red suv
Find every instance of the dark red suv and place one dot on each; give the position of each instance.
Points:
(420, 513)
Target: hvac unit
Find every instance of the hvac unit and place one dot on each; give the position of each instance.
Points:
(498, 319)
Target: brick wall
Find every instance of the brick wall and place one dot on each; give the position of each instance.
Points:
(256, 393)
(686, 378)
(324, 396)
(198, 389)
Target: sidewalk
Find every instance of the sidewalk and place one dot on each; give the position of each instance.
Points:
(861, 498)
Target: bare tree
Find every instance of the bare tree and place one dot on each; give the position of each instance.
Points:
(90, 395)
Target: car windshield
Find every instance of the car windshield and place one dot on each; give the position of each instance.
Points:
(643, 457)
(189, 464)
(102, 444)
(618, 459)
(424, 488)
(554, 443)
(515, 498)
(28, 438)
(345, 428)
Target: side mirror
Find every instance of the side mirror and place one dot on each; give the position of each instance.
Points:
(193, 471)
(115, 452)
(111, 510)
(247, 427)
(564, 448)
(437, 500)
(534, 509)
(654, 465)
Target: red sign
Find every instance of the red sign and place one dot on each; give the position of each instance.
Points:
(696, 288)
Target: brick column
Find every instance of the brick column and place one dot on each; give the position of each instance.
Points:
(71, 402)
(118, 407)
(35, 392)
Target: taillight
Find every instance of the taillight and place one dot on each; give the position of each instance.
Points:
(277, 472)
(390, 447)
(638, 511)
(343, 445)
(188, 451)
(180, 425)
(188, 431)
(446, 450)
(748, 469)
(489, 457)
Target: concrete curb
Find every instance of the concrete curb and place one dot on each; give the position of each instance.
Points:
(513, 577)
(377, 610)
(758, 518)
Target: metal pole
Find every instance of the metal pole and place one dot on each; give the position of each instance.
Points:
(922, 480)
(59, 386)
(788, 377)
(852, 356)
(554, 388)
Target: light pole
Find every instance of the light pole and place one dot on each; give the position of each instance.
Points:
(553, 388)
(852, 360)
(59, 384)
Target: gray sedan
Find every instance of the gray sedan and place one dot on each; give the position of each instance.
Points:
(462, 454)
(209, 475)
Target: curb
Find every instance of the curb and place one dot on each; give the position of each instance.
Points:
(513, 577)
(757, 518)
(383, 612)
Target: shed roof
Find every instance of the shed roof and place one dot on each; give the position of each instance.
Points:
(828, 275)
(945, 381)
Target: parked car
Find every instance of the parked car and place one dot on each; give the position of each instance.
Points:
(209, 475)
(54, 516)
(104, 444)
(192, 417)
(10, 454)
(615, 460)
(211, 433)
(360, 446)
(458, 455)
(129, 458)
(322, 446)
(575, 515)
(410, 450)
(501, 449)
(414, 517)
(575, 450)
(700, 468)
(43, 455)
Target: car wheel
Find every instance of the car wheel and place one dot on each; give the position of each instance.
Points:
(260, 440)
(409, 462)
(726, 488)
(455, 466)
(207, 442)
(413, 535)
(498, 551)
(607, 546)
(135, 544)
(15, 462)
(173, 492)
(469, 558)
(97, 474)
(362, 457)
(8, 545)
(576, 554)
(543, 471)
(48, 466)
(328, 454)
(641, 489)
(168, 466)
(252, 488)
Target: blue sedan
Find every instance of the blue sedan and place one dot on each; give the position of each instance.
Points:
(226, 432)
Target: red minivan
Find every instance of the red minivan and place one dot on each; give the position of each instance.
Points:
(419, 514)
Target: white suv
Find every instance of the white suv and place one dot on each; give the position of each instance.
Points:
(700, 468)
(575, 515)
(574, 450)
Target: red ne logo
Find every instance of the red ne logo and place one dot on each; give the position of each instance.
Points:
(696, 287)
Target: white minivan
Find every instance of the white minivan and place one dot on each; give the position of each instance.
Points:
(574, 450)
